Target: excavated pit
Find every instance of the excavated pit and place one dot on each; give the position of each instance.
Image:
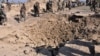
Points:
(52, 35)
(55, 29)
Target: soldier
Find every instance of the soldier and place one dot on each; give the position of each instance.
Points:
(3, 17)
(8, 5)
(87, 2)
(36, 9)
(23, 12)
(49, 6)
(93, 5)
(59, 5)
(63, 4)
(69, 5)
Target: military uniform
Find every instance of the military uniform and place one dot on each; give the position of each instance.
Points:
(63, 5)
(69, 5)
(93, 5)
(2, 16)
(59, 5)
(36, 9)
(49, 6)
(23, 12)
(8, 5)
(87, 2)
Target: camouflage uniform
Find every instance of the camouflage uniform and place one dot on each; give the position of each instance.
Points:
(93, 5)
(2, 16)
(63, 5)
(59, 5)
(49, 6)
(36, 9)
(69, 5)
(9, 6)
(23, 12)
(87, 2)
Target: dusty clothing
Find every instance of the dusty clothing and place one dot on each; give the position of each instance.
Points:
(23, 12)
(36, 9)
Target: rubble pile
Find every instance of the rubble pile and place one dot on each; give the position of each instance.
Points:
(56, 29)
(45, 34)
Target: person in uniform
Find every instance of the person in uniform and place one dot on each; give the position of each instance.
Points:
(93, 5)
(8, 5)
(49, 6)
(3, 17)
(23, 12)
(69, 5)
(87, 2)
(36, 9)
(63, 4)
(59, 5)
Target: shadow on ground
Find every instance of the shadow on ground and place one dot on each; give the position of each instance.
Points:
(67, 51)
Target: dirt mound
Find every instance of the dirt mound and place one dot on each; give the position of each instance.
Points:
(54, 29)
(49, 31)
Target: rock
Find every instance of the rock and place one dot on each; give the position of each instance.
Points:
(95, 36)
(26, 52)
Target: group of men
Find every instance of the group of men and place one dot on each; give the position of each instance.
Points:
(3, 17)
(64, 4)
(61, 5)
(92, 4)
(49, 8)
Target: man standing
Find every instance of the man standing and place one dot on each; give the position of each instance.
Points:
(3, 17)
(49, 6)
(8, 5)
(87, 2)
(23, 12)
(69, 5)
(63, 4)
(93, 5)
(59, 5)
(36, 9)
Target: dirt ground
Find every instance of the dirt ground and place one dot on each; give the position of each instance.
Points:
(50, 29)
